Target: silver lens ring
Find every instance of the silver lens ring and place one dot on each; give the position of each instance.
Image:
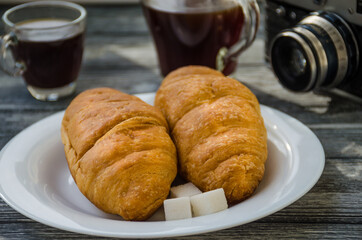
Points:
(306, 49)
(338, 42)
(352, 35)
(321, 54)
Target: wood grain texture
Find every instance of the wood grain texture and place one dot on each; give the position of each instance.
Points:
(120, 54)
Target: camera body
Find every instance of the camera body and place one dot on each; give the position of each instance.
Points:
(316, 45)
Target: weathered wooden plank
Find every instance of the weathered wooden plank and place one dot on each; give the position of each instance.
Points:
(256, 230)
(101, 51)
(336, 119)
(116, 71)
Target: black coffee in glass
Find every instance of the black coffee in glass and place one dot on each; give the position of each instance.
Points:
(51, 62)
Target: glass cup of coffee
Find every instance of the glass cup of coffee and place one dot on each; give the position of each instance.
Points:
(212, 33)
(44, 44)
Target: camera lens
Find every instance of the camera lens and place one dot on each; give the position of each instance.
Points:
(298, 62)
(321, 51)
(295, 62)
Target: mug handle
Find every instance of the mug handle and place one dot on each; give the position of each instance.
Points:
(250, 28)
(7, 60)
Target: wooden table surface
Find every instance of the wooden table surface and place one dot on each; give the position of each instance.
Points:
(120, 54)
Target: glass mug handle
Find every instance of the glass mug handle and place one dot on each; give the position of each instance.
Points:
(7, 61)
(250, 27)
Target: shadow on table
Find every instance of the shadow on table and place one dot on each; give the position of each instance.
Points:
(338, 109)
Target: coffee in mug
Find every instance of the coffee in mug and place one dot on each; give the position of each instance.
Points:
(45, 42)
(201, 32)
(51, 61)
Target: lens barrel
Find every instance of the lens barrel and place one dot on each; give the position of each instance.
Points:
(321, 51)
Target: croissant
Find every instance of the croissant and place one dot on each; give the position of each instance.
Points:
(119, 152)
(218, 130)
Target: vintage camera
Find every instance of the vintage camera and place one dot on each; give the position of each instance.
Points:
(316, 45)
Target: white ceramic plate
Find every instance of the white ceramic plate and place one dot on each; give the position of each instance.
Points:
(35, 181)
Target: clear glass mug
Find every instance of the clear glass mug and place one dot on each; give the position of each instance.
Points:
(201, 32)
(44, 44)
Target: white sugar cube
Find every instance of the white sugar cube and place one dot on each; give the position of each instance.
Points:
(177, 208)
(208, 202)
(185, 190)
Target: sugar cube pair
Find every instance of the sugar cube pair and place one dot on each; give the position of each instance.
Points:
(188, 201)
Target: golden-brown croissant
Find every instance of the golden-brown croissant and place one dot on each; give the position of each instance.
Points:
(119, 152)
(218, 130)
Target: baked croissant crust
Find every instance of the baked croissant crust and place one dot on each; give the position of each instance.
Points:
(119, 152)
(218, 130)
